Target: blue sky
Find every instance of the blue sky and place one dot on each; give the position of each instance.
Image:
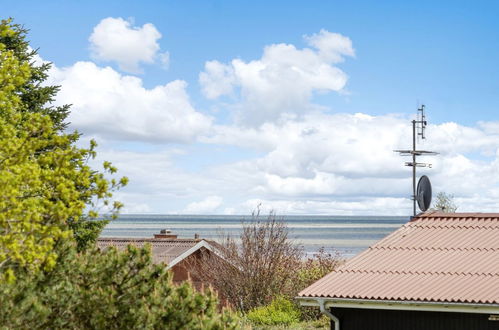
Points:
(389, 57)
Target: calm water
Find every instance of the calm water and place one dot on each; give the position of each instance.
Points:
(347, 234)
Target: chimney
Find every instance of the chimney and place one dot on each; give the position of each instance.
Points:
(165, 233)
(196, 236)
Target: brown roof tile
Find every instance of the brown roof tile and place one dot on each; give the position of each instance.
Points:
(163, 250)
(436, 257)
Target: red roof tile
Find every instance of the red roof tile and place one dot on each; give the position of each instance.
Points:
(436, 257)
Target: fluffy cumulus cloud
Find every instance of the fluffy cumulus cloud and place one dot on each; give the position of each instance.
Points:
(116, 40)
(218, 79)
(349, 145)
(324, 164)
(283, 80)
(344, 163)
(279, 152)
(112, 105)
(208, 205)
(361, 206)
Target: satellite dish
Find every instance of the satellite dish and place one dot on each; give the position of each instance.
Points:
(423, 193)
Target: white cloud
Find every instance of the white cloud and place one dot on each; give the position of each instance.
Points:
(164, 59)
(342, 158)
(135, 208)
(115, 39)
(324, 164)
(331, 46)
(117, 106)
(218, 79)
(371, 206)
(283, 80)
(351, 145)
(208, 205)
(301, 161)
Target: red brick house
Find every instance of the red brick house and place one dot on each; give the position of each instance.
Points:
(178, 254)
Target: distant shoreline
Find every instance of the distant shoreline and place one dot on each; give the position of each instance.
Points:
(349, 235)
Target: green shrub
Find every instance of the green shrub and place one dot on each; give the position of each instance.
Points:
(319, 265)
(323, 322)
(108, 290)
(280, 311)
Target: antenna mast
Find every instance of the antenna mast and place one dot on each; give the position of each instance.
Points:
(418, 129)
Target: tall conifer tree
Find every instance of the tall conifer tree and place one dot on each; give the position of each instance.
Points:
(35, 97)
(45, 183)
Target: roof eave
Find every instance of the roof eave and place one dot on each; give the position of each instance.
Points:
(199, 245)
(400, 305)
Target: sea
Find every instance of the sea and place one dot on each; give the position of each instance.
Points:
(343, 235)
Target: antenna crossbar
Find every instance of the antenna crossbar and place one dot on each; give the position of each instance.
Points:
(416, 152)
(418, 164)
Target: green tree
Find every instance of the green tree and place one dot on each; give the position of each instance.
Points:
(28, 226)
(108, 290)
(45, 185)
(34, 98)
(444, 203)
(45, 181)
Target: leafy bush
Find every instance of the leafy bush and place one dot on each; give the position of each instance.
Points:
(264, 264)
(280, 311)
(322, 322)
(255, 267)
(107, 290)
(314, 268)
(319, 265)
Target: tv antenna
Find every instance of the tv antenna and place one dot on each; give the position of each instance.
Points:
(418, 130)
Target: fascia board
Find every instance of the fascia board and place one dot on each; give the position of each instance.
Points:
(401, 305)
(189, 252)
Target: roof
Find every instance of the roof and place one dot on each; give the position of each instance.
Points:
(436, 257)
(164, 250)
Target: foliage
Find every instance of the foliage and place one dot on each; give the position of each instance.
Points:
(445, 203)
(322, 322)
(280, 311)
(45, 187)
(35, 97)
(262, 264)
(309, 271)
(108, 290)
(45, 181)
(252, 269)
(27, 232)
(86, 232)
(316, 267)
